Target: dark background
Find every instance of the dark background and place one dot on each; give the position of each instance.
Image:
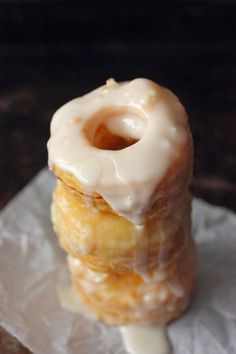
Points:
(53, 51)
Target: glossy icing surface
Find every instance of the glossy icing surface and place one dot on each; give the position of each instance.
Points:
(119, 141)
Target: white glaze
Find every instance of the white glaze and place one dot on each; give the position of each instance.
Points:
(127, 126)
(126, 178)
(145, 339)
(77, 266)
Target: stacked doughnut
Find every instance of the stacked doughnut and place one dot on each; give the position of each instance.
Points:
(122, 155)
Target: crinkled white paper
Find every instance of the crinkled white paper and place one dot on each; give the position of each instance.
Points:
(32, 266)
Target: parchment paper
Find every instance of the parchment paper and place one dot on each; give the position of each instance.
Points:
(32, 266)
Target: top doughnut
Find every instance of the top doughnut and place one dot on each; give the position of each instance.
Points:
(128, 142)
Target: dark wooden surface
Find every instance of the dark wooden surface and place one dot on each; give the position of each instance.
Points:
(54, 51)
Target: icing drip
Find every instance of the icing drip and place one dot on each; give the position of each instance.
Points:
(145, 339)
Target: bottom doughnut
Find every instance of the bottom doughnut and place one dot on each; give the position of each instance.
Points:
(128, 297)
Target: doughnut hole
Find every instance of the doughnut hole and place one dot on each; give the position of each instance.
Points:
(115, 129)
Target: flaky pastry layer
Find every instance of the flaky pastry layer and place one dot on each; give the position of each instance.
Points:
(83, 231)
(128, 297)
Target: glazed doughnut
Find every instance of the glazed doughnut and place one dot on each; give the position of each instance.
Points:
(122, 155)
